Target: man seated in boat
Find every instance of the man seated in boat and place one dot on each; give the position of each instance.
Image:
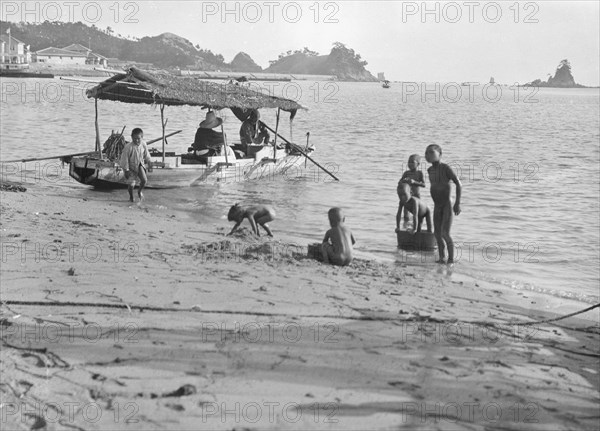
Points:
(207, 141)
(253, 131)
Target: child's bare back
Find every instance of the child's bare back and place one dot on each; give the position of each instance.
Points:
(258, 215)
(338, 241)
(413, 205)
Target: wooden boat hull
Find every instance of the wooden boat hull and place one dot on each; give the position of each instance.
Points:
(419, 241)
(174, 172)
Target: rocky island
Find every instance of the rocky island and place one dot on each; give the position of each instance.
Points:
(342, 62)
(563, 78)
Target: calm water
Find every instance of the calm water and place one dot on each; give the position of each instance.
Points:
(529, 164)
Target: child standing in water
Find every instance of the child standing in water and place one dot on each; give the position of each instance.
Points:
(414, 178)
(134, 158)
(338, 241)
(440, 175)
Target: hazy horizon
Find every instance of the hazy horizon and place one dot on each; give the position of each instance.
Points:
(442, 42)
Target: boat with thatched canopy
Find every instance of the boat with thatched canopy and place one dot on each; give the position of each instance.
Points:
(100, 168)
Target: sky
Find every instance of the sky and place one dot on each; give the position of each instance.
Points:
(515, 42)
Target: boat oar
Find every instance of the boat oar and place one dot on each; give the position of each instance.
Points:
(299, 149)
(87, 153)
(160, 139)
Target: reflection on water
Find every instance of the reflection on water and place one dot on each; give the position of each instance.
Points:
(529, 171)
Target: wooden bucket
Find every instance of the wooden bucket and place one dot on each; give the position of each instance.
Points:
(315, 251)
(420, 241)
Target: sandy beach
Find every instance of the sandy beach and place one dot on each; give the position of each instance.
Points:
(126, 316)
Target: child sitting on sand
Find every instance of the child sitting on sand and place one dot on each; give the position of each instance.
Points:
(258, 215)
(415, 206)
(440, 176)
(338, 241)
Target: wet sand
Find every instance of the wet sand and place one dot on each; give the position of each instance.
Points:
(121, 316)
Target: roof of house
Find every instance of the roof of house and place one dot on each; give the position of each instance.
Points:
(77, 47)
(4, 38)
(93, 54)
(59, 51)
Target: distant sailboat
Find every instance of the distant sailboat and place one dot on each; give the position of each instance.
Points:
(492, 82)
(384, 82)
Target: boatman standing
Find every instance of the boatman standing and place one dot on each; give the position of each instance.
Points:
(133, 159)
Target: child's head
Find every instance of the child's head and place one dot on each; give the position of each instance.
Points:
(404, 192)
(137, 135)
(235, 213)
(335, 216)
(433, 153)
(413, 162)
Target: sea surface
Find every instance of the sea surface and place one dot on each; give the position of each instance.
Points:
(529, 163)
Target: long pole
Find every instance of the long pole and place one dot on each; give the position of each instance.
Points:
(164, 125)
(297, 148)
(87, 153)
(276, 134)
(306, 149)
(166, 136)
(97, 128)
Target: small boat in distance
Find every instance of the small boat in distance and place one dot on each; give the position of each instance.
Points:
(492, 82)
(384, 82)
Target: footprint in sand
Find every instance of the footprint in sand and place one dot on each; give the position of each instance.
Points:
(176, 407)
(38, 421)
(35, 360)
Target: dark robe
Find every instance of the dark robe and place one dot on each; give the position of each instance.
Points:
(208, 139)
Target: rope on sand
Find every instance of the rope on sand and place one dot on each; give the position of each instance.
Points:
(562, 317)
(266, 314)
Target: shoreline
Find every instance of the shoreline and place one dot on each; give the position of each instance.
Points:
(196, 327)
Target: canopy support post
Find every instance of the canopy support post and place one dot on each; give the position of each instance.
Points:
(276, 129)
(97, 147)
(225, 147)
(164, 126)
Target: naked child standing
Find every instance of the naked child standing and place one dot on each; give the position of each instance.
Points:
(440, 175)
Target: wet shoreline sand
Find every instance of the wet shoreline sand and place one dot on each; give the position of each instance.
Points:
(120, 316)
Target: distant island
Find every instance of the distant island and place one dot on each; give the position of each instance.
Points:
(563, 78)
(342, 62)
(172, 52)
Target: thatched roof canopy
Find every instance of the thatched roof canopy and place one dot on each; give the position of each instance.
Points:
(138, 86)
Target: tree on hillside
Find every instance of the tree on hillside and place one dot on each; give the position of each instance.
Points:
(564, 63)
(346, 55)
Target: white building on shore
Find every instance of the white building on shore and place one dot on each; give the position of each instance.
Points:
(53, 55)
(14, 54)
